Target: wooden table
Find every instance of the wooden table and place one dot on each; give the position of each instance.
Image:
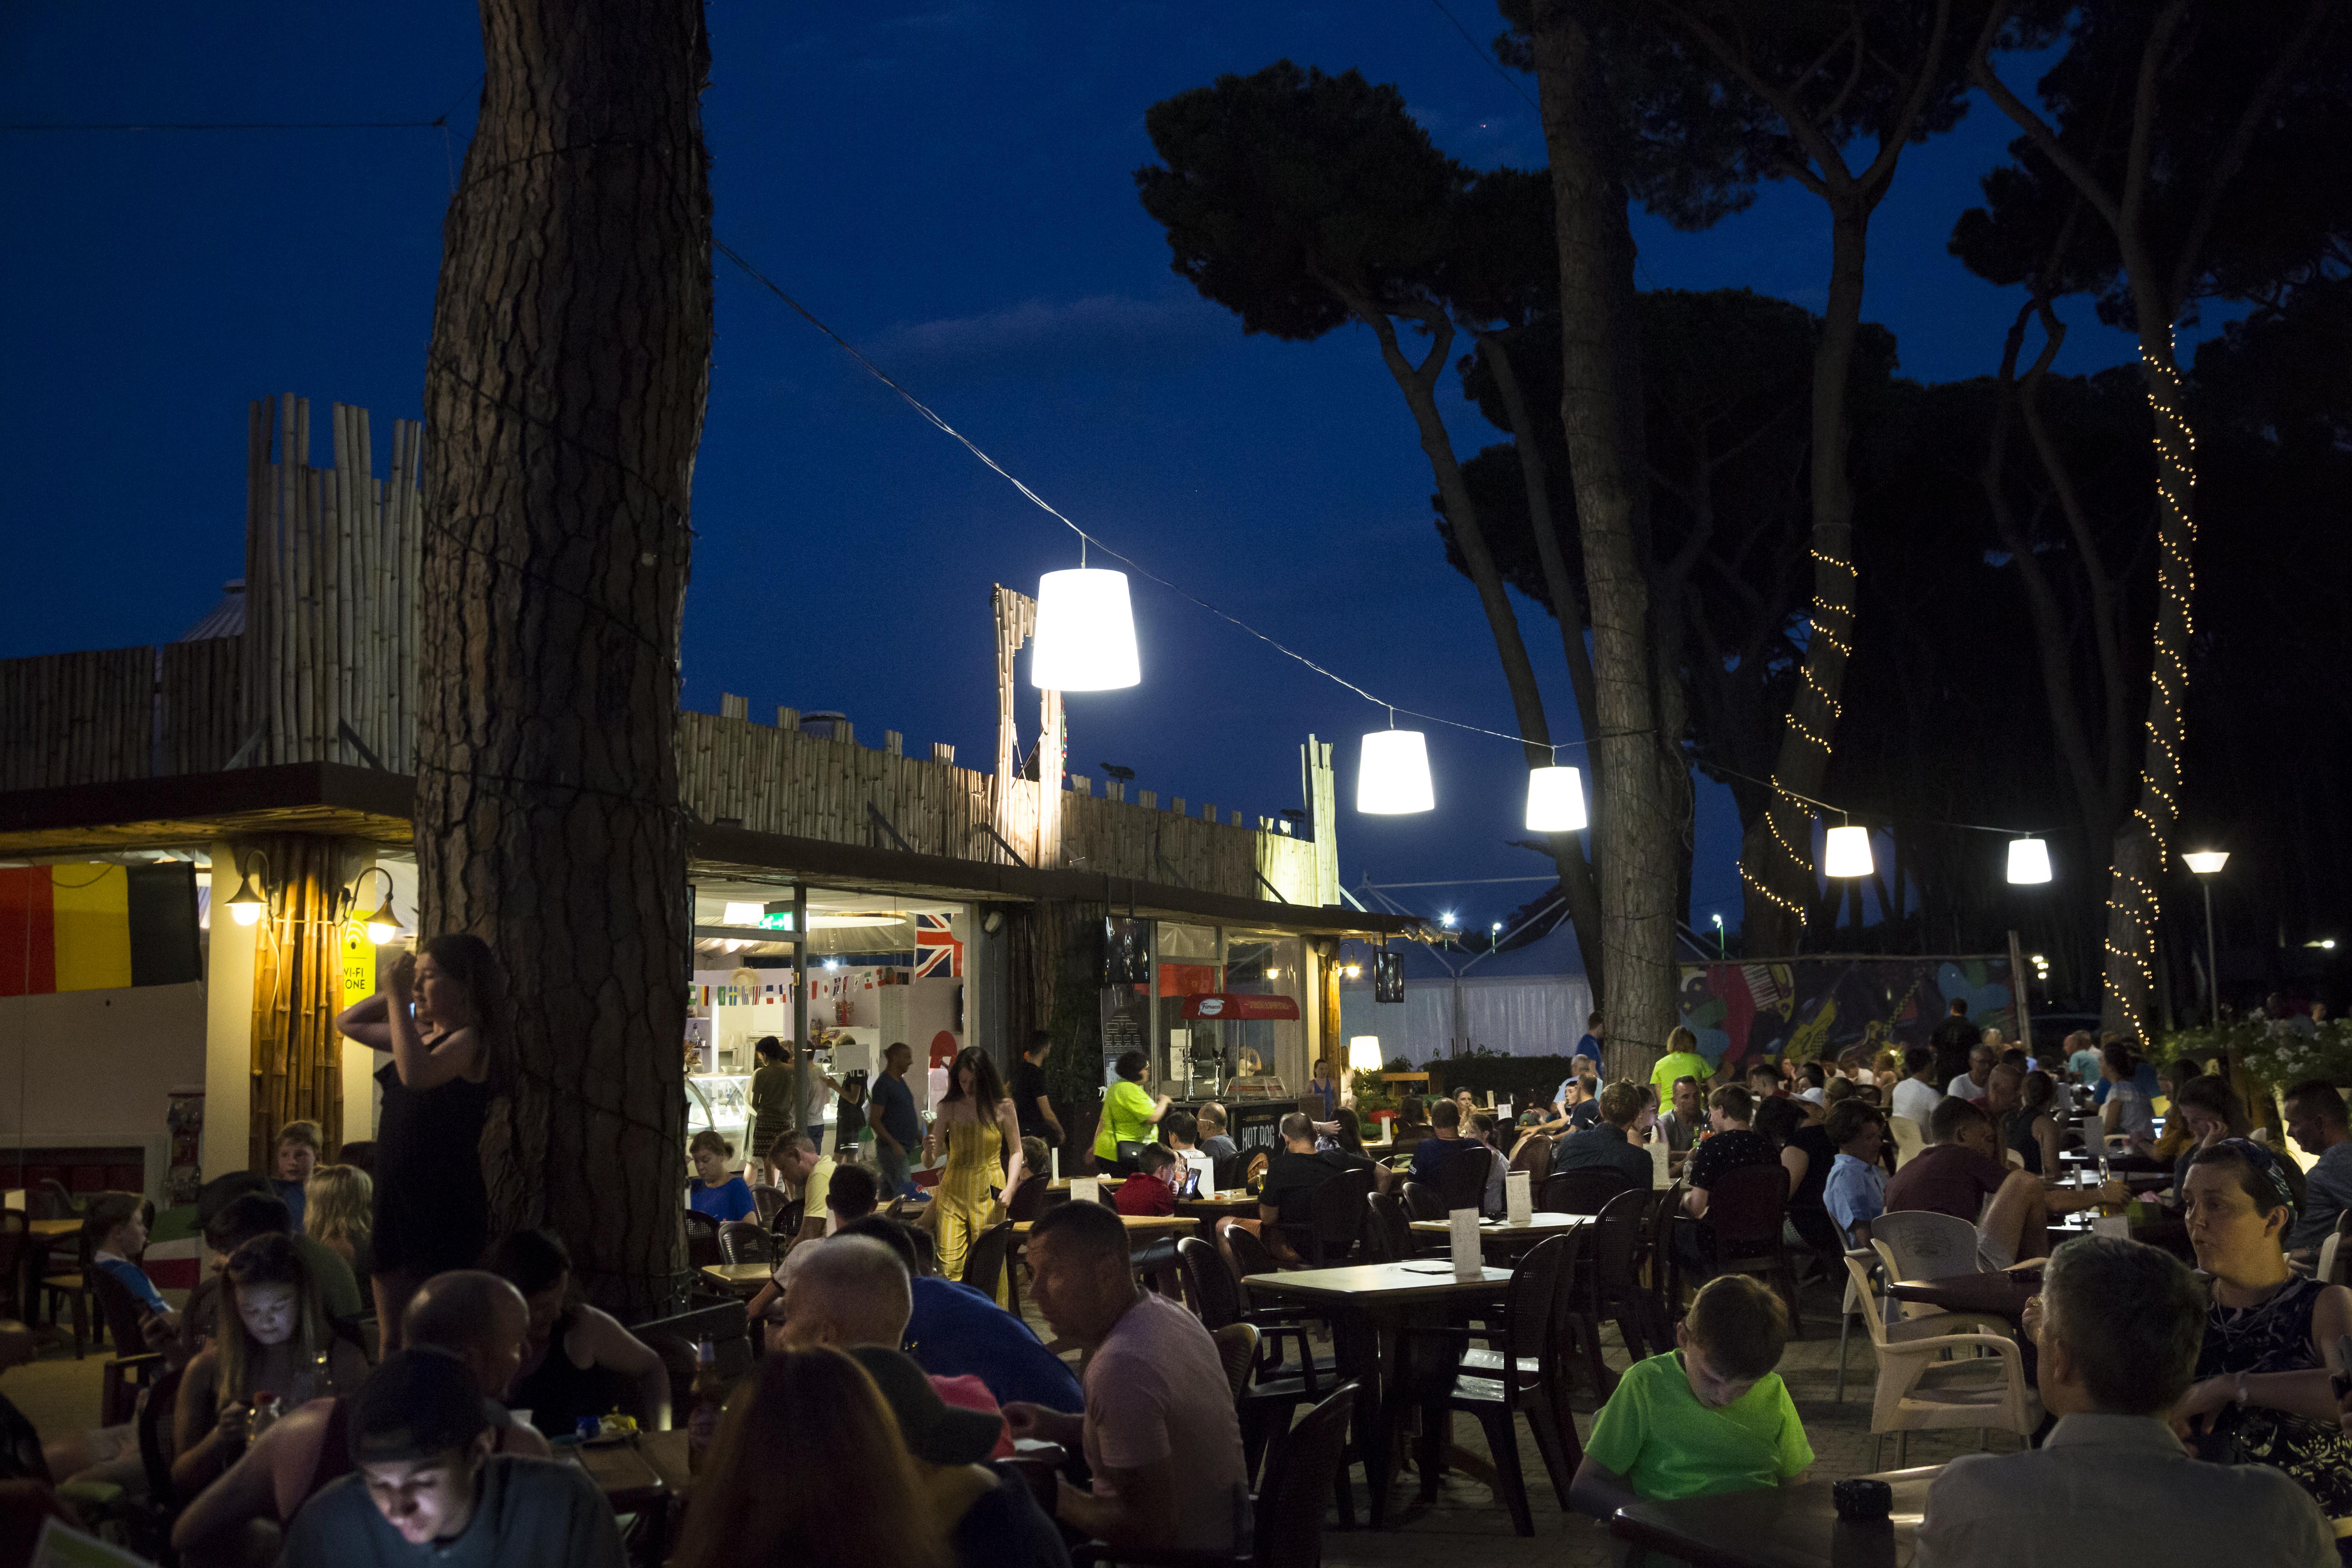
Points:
(53, 1230)
(1367, 1303)
(738, 1278)
(1239, 1204)
(1779, 1527)
(645, 1478)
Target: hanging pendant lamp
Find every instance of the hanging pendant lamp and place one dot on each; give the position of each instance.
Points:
(1846, 852)
(1555, 800)
(1393, 773)
(2029, 860)
(1085, 632)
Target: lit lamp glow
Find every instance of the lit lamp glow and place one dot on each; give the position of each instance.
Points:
(384, 924)
(1392, 774)
(246, 905)
(2206, 862)
(1085, 632)
(1364, 1052)
(2029, 860)
(1846, 853)
(1555, 801)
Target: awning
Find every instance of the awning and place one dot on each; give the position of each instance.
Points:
(1229, 1004)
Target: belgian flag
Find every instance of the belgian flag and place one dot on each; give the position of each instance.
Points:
(94, 927)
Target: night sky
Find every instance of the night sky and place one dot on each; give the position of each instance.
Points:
(951, 187)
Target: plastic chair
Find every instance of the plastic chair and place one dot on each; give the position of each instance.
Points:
(1586, 1190)
(1920, 1243)
(1462, 1177)
(2335, 1259)
(746, 1241)
(1608, 1284)
(1237, 1351)
(71, 1286)
(1421, 1202)
(1388, 1235)
(1534, 1156)
(1748, 1210)
(1335, 1218)
(1521, 1373)
(1908, 1139)
(771, 1201)
(1919, 1390)
(702, 1250)
(984, 1262)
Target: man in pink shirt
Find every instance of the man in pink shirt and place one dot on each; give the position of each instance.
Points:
(1160, 1432)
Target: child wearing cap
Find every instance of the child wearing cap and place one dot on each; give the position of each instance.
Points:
(1710, 1416)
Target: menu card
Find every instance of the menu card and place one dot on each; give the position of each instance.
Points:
(1085, 1189)
(1469, 1257)
(1054, 1158)
(1518, 1200)
(1658, 1172)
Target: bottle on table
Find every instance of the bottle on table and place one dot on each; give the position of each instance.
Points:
(702, 1423)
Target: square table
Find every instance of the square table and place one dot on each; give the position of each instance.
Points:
(738, 1278)
(1496, 1235)
(645, 1476)
(1779, 1527)
(1367, 1303)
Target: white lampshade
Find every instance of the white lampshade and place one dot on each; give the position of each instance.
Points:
(1555, 800)
(1846, 853)
(2206, 862)
(1364, 1052)
(1392, 775)
(1085, 632)
(2029, 860)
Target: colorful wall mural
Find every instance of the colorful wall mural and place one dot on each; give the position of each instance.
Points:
(1808, 1007)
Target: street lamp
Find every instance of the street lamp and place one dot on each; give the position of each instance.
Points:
(1721, 949)
(2208, 864)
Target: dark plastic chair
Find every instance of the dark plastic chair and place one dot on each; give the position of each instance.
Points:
(1534, 1156)
(1335, 1218)
(1462, 1177)
(1421, 1202)
(1029, 1201)
(1265, 1405)
(702, 1250)
(984, 1261)
(1585, 1190)
(746, 1241)
(771, 1201)
(1608, 1285)
(1523, 1373)
(1746, 1211)
(1388, 1235)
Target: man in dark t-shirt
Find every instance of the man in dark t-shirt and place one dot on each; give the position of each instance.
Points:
(1951, 1040)
(1605, 1144)
(1030, 1104)
(1961, 1169)
(1293, 1175)
(1732, 1146)
(1444, 1143)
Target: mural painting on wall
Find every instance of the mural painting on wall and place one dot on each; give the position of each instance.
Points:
(1811, 1007)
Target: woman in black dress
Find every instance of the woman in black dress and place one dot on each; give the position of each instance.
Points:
(437, 1015)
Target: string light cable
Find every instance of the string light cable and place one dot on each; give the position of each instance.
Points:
(1089, 540)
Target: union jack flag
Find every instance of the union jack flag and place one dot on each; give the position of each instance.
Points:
(938, 954)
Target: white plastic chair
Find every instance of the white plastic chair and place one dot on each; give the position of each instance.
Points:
(1908, 1140)
(1919, 1390)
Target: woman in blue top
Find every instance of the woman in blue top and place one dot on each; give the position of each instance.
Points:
(720, 1193)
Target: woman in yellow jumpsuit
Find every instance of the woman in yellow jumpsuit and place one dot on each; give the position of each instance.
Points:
(976, 1123)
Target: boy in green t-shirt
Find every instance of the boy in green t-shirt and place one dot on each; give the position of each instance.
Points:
(1711, 1416)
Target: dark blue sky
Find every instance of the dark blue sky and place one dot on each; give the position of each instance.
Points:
(949, 185)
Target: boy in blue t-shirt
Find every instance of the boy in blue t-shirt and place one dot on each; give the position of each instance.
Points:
(1709, 1417)
(116, 1226)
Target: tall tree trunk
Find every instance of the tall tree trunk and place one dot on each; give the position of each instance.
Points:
(564, 392)
(1777, 860)
(1578, 884)
(2143, 839)
(1637, 766)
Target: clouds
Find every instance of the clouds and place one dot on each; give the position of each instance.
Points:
(1106, 332)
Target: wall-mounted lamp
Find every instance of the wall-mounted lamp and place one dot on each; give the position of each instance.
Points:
(250, 902)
